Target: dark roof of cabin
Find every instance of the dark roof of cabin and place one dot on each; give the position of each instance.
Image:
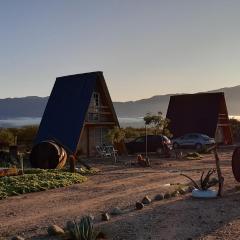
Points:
(65, 112)
(195, 113)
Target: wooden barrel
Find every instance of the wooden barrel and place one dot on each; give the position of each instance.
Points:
(48, 155)
(236, 164)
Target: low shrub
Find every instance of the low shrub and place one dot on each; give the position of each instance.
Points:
(83, 229)
(35, 180)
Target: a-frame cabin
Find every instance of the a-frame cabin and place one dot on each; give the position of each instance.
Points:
(200, 113)
(79, 113)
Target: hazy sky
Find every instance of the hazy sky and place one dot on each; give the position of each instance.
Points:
(144, 48)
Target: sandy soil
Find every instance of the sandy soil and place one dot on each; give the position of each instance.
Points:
(121, 186)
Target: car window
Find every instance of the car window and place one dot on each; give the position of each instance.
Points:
(140, 140)
(192, 136)
(195, 136)
(150, 138)
(186, 136)
(156, 138)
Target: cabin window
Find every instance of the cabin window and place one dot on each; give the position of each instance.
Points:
(93, 111)
(96, 99)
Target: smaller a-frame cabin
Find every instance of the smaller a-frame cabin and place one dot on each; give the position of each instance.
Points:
(79, 113)
(200, 113)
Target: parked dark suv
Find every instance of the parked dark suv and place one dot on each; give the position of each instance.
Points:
(156, 143)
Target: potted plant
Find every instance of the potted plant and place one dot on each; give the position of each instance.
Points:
(202, 189)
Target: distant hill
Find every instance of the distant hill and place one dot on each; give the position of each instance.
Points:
(160, 103)
(34, 106)
(22, 107)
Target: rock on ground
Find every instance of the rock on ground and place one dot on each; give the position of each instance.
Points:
(146, 200)
(159, 197)
(17, 238)
(105, 217)
(116, 211)
(55, 230)
(139, 205)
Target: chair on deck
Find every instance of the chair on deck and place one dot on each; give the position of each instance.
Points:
(112, 151)
(107, 151)
(102, 152)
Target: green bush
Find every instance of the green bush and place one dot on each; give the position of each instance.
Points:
(6, 137)
(37, 180)
(116, 135)
(25, 135)
(131, 132)
(159, 123)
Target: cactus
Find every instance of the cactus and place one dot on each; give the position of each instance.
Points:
(83, 230)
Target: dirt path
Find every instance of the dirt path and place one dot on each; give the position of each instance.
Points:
(178, 218)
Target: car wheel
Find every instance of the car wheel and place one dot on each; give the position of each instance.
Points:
(198, 146)
(175, 145)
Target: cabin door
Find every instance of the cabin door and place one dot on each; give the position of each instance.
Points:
(97, 137)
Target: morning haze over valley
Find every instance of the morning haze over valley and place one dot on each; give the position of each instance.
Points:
(34, 106)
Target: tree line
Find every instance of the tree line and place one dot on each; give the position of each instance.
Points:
(156, 124)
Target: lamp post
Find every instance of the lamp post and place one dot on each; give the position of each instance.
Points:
(146, 149)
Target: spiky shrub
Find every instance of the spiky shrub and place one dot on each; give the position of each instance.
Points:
(205, 182)
(82, 230)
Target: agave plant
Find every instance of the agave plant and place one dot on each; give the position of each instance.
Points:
(204, 182)
(82, 230)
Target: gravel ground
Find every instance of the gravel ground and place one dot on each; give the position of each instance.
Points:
(121, 186)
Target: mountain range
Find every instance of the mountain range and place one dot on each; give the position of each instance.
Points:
(34, 106)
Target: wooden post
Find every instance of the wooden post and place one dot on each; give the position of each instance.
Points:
(219, 173)
(146, 140)
(72, 163)
(21, 161)
(88, 143)
(114, 155)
